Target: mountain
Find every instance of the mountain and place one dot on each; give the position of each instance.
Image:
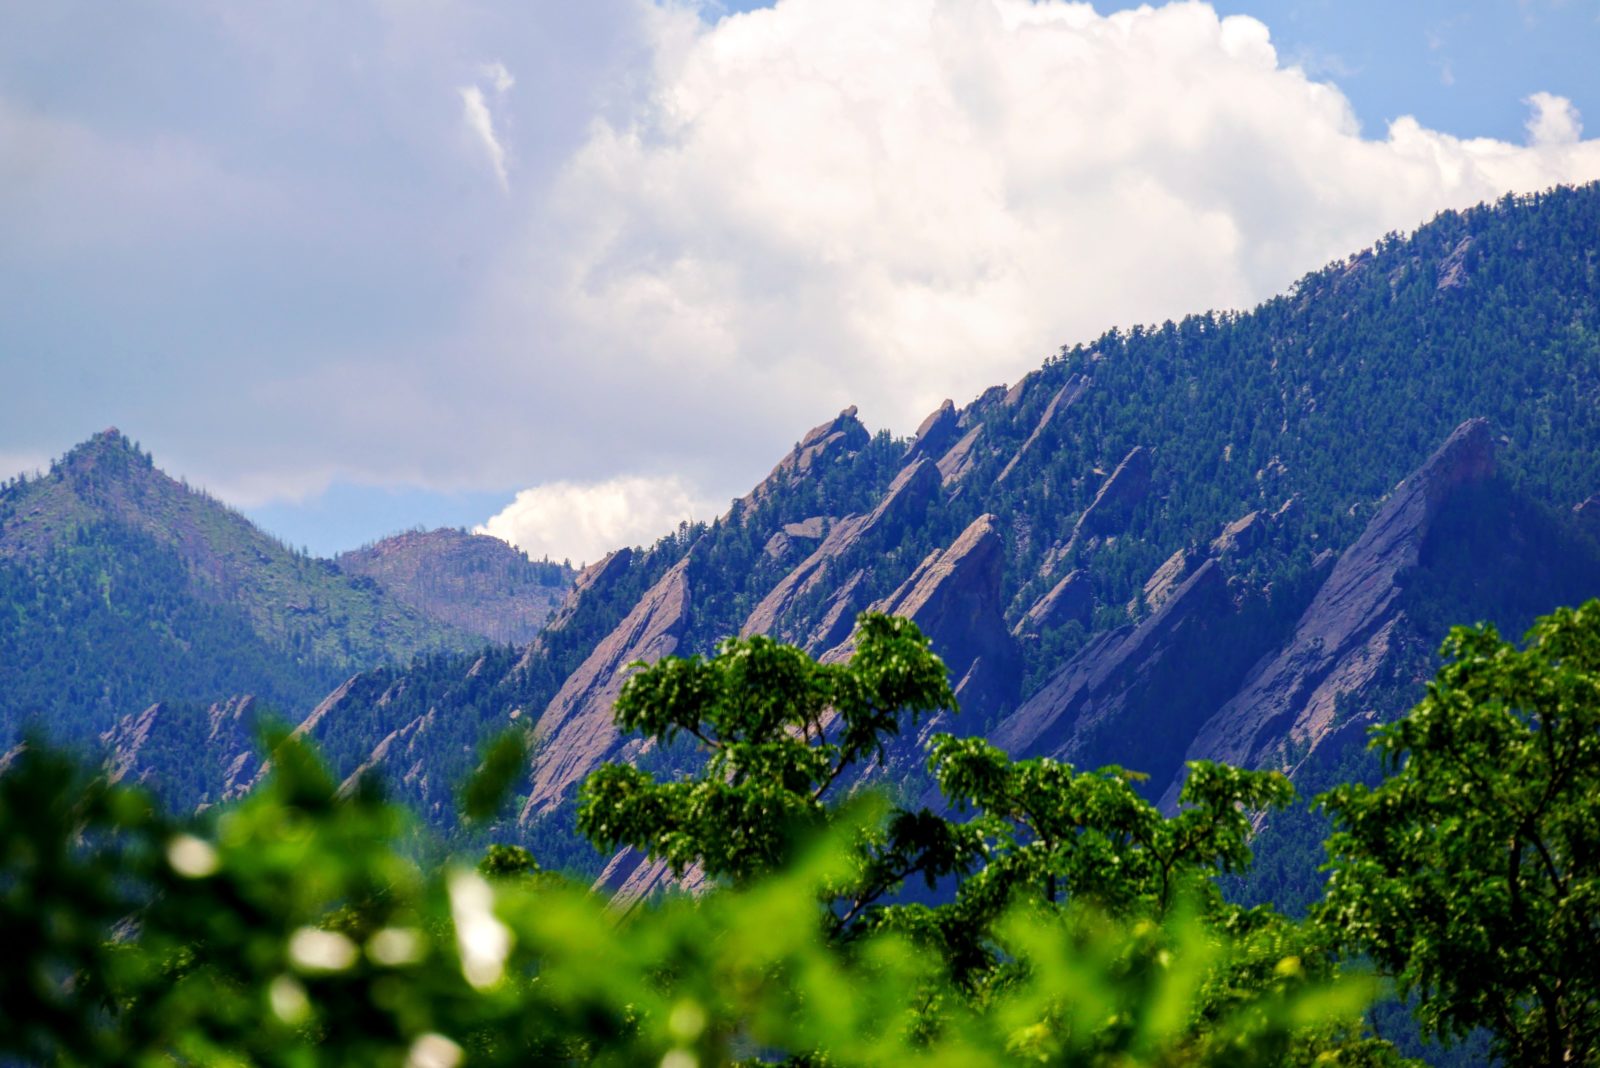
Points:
(473, 582)
(1238, 536)
(126, 590)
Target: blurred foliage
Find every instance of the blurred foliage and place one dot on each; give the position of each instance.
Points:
(294, 930)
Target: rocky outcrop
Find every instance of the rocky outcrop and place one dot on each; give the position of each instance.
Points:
(1065, 398)
(907, 498)
(954, 598)
(954, 464)
(1241, 535)
(575, 732)
(594, 580)
(630, 877)
(404, 751)
(1346, 634)
(936, 434)
(1014, 395)
(1110, 510)
(1164, 581)
(1071, 599)
(838, 616)
(125, 741)
(1452, 271)
(326, 707)
(141, 746)
(231, 728)
(1117, 496)
(1134, 695)
(824, 444)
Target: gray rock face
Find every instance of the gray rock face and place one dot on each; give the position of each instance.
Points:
(1064, 399)
(954, 598)
(1345, 635)
(937, 433)
(1070, 599)
(811, 529)
(232, 752)
(1452, 271)
(575, 731)
(1132, 695)
(907, 498)
(630, 877)
(597, 578)
(1241, 535)
(827, 443)
(126, 739)
(954, 464)
(1164, 581)
(1117, 497)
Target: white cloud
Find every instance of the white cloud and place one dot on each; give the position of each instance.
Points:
(583, 522)
(480, 123)
(894, 202)
(1554, 120)
(720, 232)
(496, 75)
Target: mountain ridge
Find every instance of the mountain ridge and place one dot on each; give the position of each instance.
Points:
(1161, 507)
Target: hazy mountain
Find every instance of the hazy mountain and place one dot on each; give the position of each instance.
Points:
(476, 583)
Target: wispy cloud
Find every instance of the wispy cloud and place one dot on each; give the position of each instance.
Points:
(480, 123)
(478, 116)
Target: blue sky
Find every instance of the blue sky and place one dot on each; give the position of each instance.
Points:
(590, 269)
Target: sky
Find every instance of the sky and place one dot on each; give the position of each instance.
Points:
(573, 273)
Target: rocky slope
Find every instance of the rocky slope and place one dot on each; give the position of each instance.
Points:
(472, 582)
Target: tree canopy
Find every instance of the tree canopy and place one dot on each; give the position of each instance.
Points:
(1472, 872)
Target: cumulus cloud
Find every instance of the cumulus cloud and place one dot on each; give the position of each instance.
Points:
(583, 522)
(720, 231)
(1554, 120)
(894, 202)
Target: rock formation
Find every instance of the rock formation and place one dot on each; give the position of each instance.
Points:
(1134, 695)
(936, 434)
(1065, 398)
(908, 496)
(1344, 636)
(954, 464)
(824, 444)
(1117, 497)
(575, 731)
(954, 598)
(1164, 581)
(1070, 599)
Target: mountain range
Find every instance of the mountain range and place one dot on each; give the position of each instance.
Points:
(127, 590)
(1240, 536)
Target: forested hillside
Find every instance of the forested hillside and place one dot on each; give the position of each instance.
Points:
(1174, 492)
(123, 588)
(1239, 536)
